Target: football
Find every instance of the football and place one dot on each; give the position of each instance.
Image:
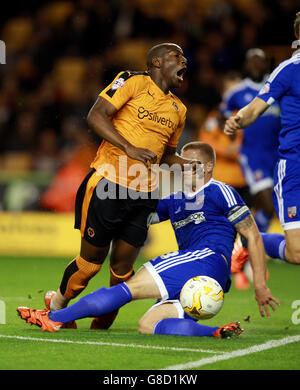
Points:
(202, 297)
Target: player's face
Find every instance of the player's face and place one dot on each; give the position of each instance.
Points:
(173, 67)
(256, 67)
(193, 178)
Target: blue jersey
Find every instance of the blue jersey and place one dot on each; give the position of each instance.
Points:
(205, 219)
(283, 86)
(262, 135)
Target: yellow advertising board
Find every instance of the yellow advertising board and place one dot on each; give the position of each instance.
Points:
(38, 234)
(53, 234)
(161, 239)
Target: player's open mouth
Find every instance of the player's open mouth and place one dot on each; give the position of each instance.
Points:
(181, 73)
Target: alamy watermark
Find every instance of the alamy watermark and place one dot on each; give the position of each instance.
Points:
(296, 314)
(138, 181)
(2, 312)
(2, 53)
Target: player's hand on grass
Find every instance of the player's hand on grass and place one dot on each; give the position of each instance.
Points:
(265, 300)
(141, 154)
(233, 124)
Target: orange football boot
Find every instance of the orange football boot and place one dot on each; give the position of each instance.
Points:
(48, 297)
(39, 318)
(228, 331)
(105, 321)
(238, 257)
(241, 281)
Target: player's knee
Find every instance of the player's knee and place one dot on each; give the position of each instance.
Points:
(121, 268)
(92, 254)
(145, 327)
(295, 258)
(293, 255)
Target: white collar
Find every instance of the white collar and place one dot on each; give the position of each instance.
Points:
(190, 195)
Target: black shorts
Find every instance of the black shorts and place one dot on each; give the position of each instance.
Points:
(106, 211)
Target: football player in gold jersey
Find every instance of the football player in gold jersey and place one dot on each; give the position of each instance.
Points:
(140, 121)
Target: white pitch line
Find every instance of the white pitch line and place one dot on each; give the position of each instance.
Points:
(240, 352)
(111, 344)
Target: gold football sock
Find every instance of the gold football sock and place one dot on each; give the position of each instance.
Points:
(76, 277)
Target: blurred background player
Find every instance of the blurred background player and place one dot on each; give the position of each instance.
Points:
(259, 149)
(205, 218)
(121, 117)
(283, 86)
(227, 148)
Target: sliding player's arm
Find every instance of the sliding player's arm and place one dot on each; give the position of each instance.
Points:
(257, 257)
(245, 116)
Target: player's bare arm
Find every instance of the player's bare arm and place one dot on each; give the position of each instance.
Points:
(245, 116)
(247, 228)
(99, 118)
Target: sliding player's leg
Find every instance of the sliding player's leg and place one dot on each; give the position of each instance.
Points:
(148, 282)
(168, 318)
(170, 273)
(122, 258)
(101, 301)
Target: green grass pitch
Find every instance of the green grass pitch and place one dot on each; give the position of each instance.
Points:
(23, 347)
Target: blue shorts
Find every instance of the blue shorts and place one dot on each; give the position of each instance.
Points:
(286, 193)
(171, 271)
(258, 170)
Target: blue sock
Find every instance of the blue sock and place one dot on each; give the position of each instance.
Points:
(262, 220)
(102, 301)
(182, 327)
(274, 245)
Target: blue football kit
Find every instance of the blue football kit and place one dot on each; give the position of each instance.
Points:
(283, 86)
(259, 149)
(203, 223)
(204, 227)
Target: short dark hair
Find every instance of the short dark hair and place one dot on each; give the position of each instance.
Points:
(203, 147)
(159, 51)
(297, 25)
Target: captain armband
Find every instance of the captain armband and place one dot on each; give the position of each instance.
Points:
(238, 213)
